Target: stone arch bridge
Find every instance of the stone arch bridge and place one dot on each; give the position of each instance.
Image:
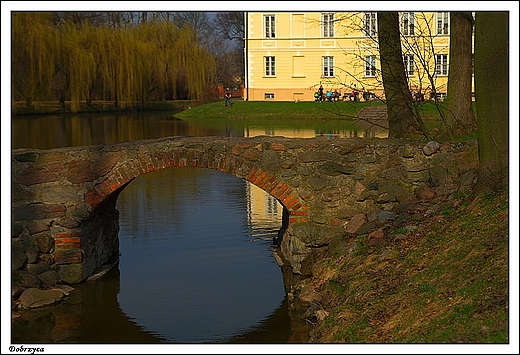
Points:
(63, 200)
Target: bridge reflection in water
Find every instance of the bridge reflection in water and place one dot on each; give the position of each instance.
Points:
(92, 314)
(190, 264)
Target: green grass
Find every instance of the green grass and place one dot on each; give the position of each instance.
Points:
(448, 284)
(323, 117)
(275, 111)
(326, 117)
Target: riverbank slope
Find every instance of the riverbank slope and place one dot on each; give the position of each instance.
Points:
(446, 281)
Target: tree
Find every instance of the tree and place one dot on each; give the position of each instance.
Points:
(492, 99)
(33, 56)
(230, 52)
(401, 120)
(459, 116)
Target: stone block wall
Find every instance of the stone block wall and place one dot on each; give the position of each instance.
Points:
(63, 200)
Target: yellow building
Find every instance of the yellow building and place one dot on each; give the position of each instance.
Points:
(288, 55)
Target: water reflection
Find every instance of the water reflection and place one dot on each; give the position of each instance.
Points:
(91, 314)
(192, 268)
(53, 131)
(195, 262)
(195, 267)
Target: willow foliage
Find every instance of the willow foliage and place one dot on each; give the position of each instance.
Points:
(77, 63)
(33, 57)
(127, 65)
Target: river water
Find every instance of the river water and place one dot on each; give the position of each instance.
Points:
(195, 265)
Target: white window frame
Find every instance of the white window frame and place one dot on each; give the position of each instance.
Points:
(328, 67)
(409, 64)
(443, 21)
(370, 66)
(270, 66)
(269, 95)
(370, 24)
(441, 64)
(328, 24)
(408, 23)
(269, 26)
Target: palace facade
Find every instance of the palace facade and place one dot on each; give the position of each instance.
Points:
(288, 55)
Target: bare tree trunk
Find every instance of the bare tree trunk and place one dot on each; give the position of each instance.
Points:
(492, 99)
(460, 119)
(401, 121)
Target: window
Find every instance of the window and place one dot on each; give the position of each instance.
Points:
(271, 205)
(441, 96)
(408, 64)
(328, 66)
(369, 24)
(269, 66)
(370, 66)
(269, 26)
(442, 23)
(407, 23)
(269, 95)
(441, 64)
(328, 25)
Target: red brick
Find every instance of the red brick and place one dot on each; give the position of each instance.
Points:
(166, 161)
(62, 240)
(275, 187)
(92, 198)
(263, 179)
(297, 206)
(251, 174)
(281, 190)
(293, 202)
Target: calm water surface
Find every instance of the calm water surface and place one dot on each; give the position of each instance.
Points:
(53, 131)
(195, 264)
(194, 267)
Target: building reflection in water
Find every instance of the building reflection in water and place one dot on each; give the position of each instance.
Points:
(367, 130)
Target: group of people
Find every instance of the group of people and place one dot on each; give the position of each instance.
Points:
(330, 96)
(319, 96)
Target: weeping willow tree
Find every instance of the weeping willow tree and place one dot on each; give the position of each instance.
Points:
(65, 60)
(34, 45)
(77, 65)
(192, 67)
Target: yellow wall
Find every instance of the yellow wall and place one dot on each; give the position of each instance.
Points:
(299, 46)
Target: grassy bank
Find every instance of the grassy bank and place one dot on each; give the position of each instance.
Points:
(264, 110)
(445, 284)
(271, 110)
(329, 115)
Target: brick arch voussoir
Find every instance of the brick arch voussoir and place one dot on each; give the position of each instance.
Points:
(282, 192)
(123, 174)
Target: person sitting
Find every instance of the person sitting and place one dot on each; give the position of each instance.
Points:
(329, 96)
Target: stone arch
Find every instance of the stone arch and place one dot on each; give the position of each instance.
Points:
(102, 196)
(125, 172)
